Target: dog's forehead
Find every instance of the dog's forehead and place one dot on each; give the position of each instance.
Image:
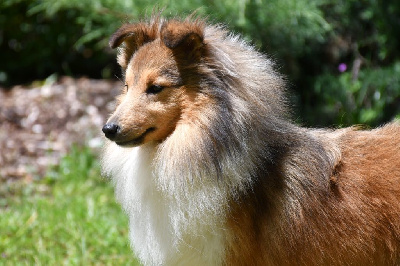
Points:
(153, 56)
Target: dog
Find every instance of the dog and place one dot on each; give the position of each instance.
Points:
(211, 171)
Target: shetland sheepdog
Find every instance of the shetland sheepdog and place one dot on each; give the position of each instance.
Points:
(211, 171)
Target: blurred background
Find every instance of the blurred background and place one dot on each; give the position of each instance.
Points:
(341, 59)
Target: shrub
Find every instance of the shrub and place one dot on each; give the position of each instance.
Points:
(370, 98)
(42, 37)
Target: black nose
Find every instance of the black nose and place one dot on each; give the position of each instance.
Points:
(111, 130)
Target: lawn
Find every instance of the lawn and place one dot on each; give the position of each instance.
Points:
(69, 217)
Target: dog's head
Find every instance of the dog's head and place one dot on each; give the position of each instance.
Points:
(159, 61)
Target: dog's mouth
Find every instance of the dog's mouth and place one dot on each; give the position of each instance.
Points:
(136, 141)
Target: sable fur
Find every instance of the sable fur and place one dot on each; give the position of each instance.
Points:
(223, 177)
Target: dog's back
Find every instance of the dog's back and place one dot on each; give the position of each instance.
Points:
(355, 220)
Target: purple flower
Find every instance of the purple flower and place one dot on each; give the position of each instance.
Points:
(342, 67)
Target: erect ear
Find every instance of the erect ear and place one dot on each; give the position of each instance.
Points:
(186, 39)
(133, 36)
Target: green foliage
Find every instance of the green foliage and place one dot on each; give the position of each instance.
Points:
(365, 38)
(343, 100)
(70, 217)
(371, 27)
(70, 36)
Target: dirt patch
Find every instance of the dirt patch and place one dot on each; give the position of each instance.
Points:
(40, 123)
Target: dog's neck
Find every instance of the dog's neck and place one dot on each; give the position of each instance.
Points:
(164, 222)
(174, 201)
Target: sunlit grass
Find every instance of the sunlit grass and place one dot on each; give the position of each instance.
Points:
(69, 218)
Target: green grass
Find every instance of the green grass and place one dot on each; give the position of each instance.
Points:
(68, 218)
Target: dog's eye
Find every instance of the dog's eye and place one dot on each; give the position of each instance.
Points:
(154, 89)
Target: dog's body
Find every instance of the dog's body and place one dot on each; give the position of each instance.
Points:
(211, 171)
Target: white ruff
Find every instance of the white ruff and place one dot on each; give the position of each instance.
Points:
(166, 227)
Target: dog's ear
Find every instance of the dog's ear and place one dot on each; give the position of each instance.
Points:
(133, 36)
(185, 39)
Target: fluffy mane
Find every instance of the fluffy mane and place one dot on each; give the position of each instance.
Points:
(238, 147)
(212, 156)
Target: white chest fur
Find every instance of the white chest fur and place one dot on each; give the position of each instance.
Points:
(166, 228)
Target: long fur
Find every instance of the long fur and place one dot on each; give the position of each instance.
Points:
(236, 183)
